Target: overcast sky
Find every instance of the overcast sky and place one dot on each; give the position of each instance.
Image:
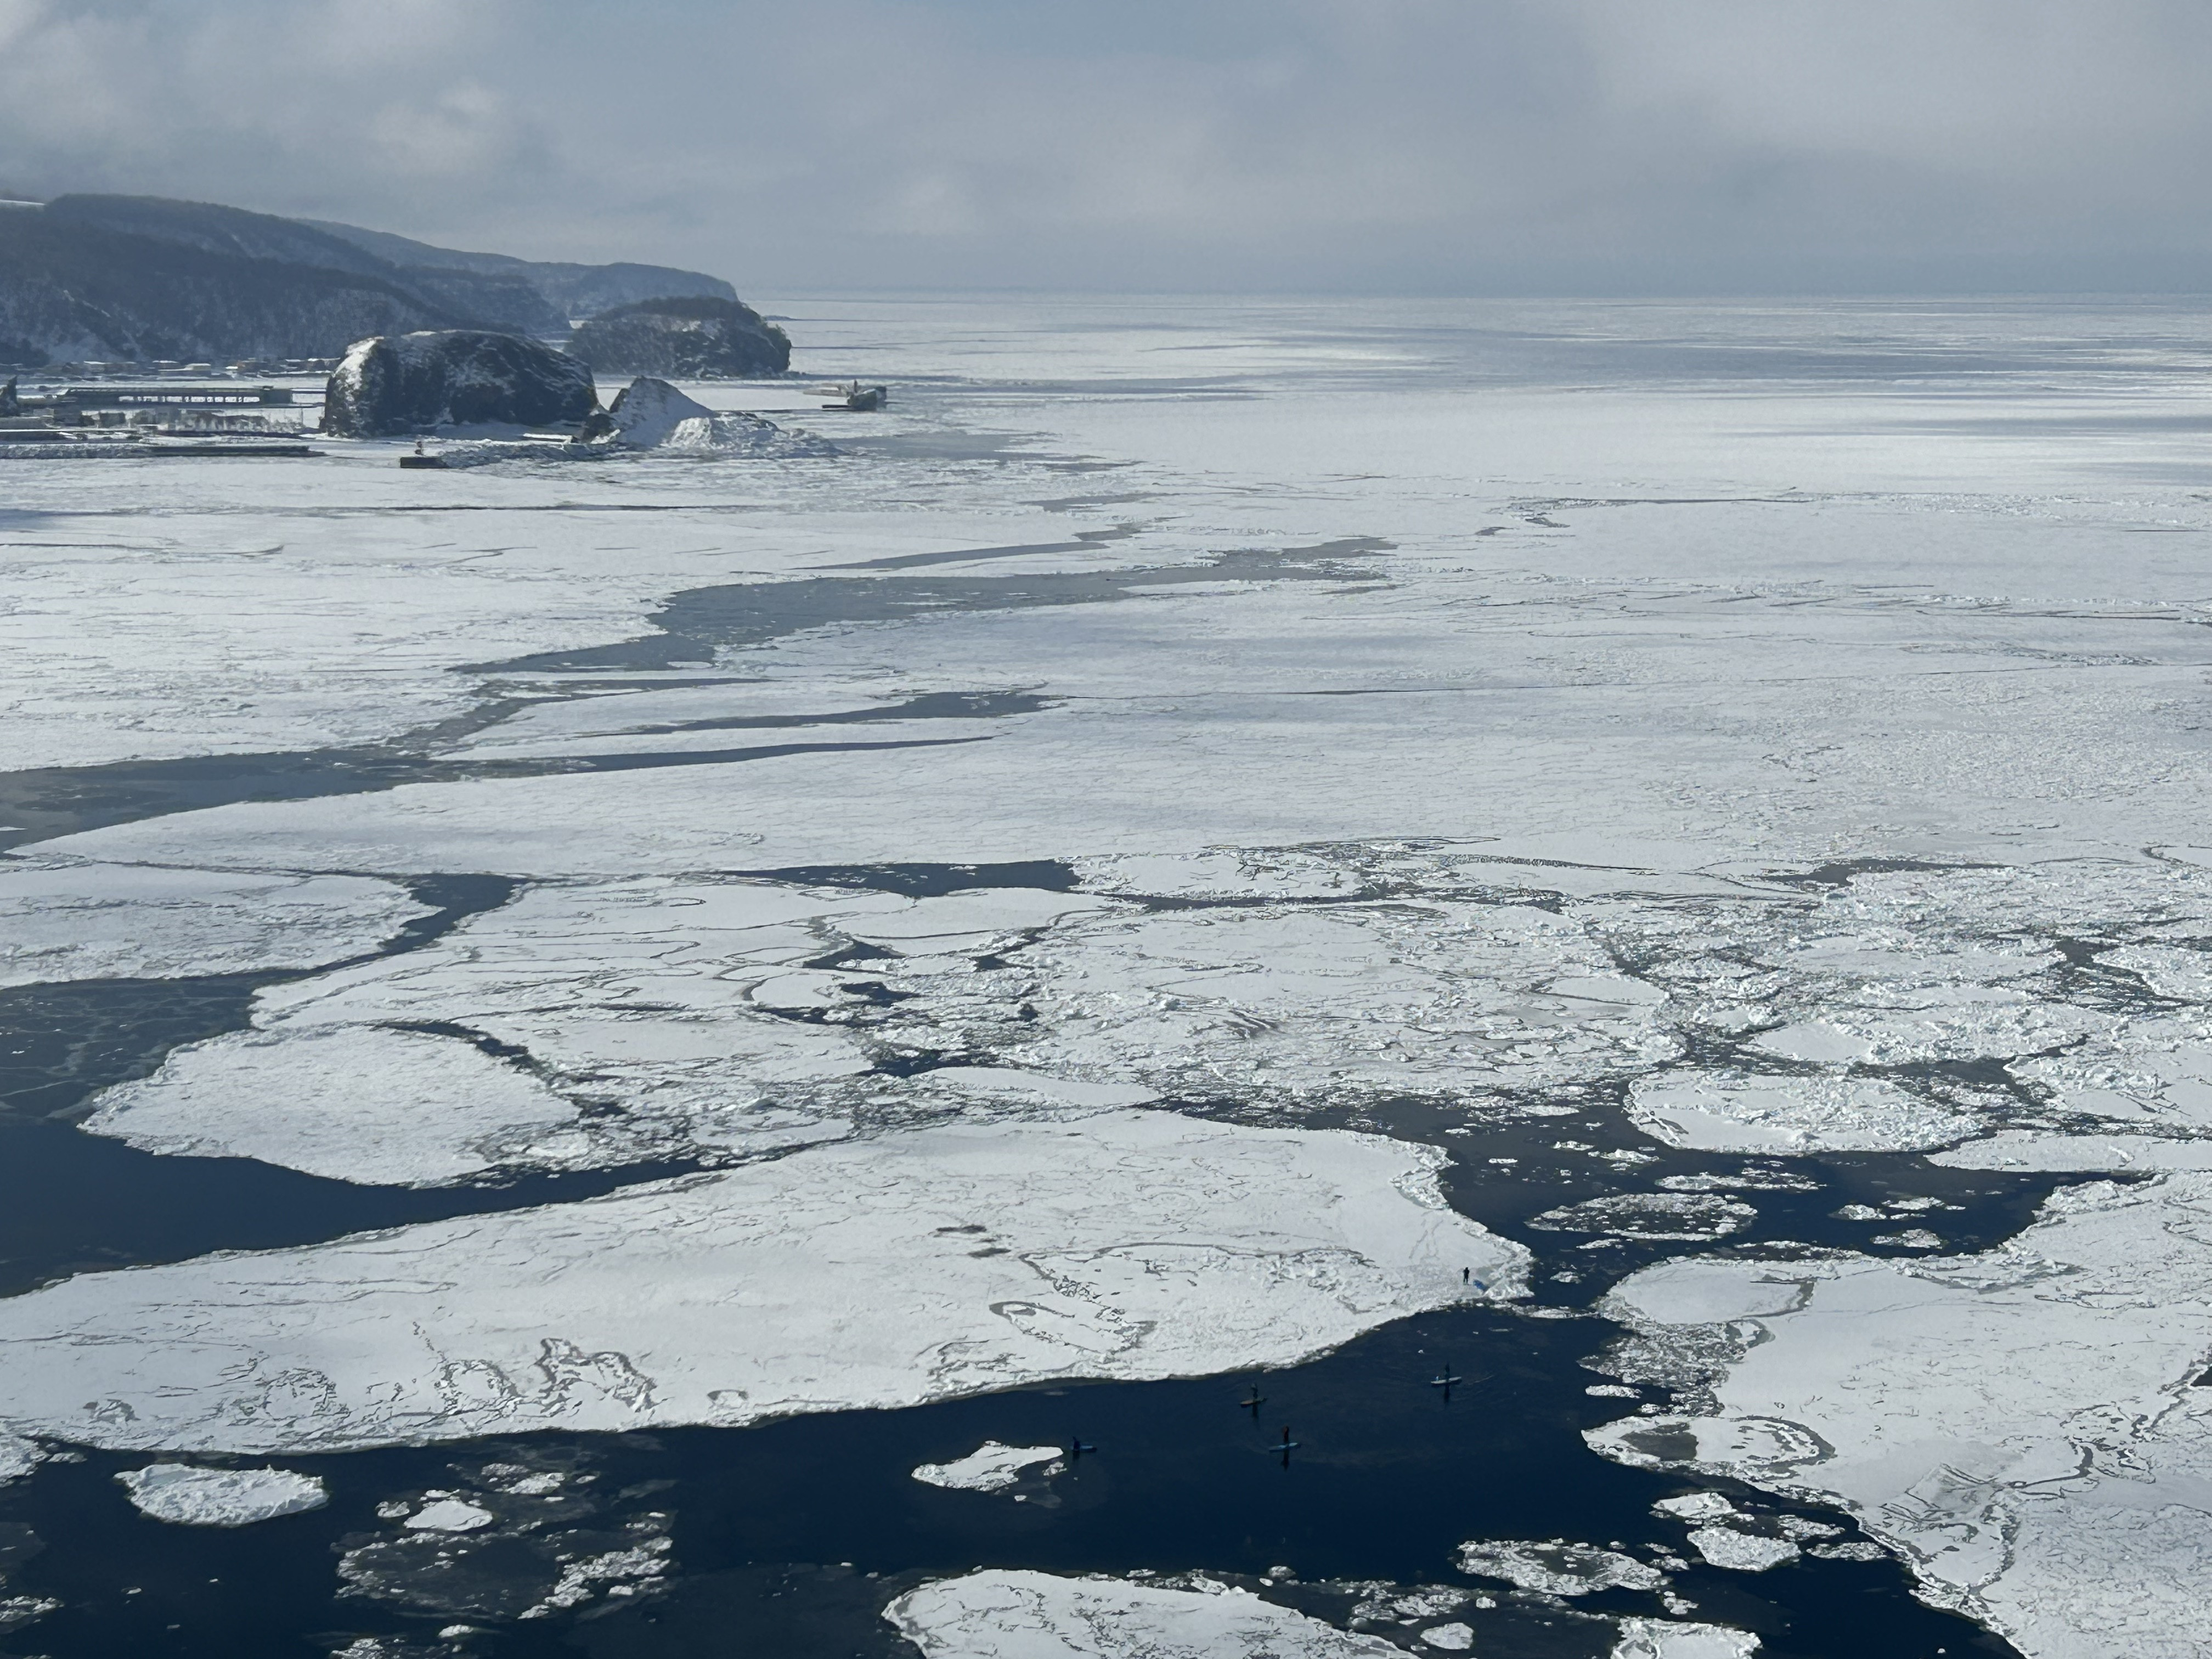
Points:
(1432, 146)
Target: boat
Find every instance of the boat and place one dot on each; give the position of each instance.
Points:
(861, 399)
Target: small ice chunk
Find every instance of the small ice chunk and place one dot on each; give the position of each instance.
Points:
(1611, 1390)
(195, 1497)
(1694, 1506)
(1912, 1238)
(449, 1515)
(1744, 1551)
(1452, 1638)
(991, 1466)
(1557, 1568)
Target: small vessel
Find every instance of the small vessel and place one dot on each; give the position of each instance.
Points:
(421, 458)
(861, 399)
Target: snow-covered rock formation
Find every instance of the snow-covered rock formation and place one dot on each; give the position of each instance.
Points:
(647, 412)
(391, 385)
(694, 338)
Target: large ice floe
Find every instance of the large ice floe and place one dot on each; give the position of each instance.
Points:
(1038, 1615)
(937, 1263)
(354, 1103)
(2025, 1427)
(63, 920)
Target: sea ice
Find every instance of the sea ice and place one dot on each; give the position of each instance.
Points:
(1037, 1615)
(1557, 1568)
(923, 1266)
(1694, 1506)
(1652, 1215)
(1741, 1112)
(1452, 1638)
(61, 920)
(354, 1103)
(991, 1466)
(2022, 1426)
(448, 1515)
(18, 1456)
(1743, 1552)
(1660, 1638)
(195, 1497)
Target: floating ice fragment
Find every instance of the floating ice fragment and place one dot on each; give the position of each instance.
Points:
(1557, 1568)
(1652, 1215)
(195, 1497)
(991, 1466)
(1743, 1552)
(1659, 1638)
(1452, 1638)
(1034, 1615)
(1742, 1112)
(449, 1515)
(1695, 1506)
(391, 1108)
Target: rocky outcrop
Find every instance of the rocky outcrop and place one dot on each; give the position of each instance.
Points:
(646, 412)
(392, 385)
(686, 338)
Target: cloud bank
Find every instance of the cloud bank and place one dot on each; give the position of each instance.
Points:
(1470, 146)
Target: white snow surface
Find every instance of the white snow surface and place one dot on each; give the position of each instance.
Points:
(194, 1497)
(1124, 1245)
(1662, 1639)
(2022, 1426)
(1037, 1615)
(991, 1466)
(62, 920)
(354, 1103)
(449, 1515)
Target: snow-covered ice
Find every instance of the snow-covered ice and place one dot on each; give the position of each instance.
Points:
(991, 1466)
(354, 1103)
(1662, 1639)
(195, 1497)
(925, 1266)
(2023, 1426)
(1037, 1615)
(1558, 1567)
(1737, 1112)
(65, 920)
(1740, 1550)
(448, 1515)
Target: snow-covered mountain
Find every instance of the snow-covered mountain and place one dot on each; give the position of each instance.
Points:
(143, 277)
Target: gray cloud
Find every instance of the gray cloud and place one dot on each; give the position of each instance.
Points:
(1434, 145)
